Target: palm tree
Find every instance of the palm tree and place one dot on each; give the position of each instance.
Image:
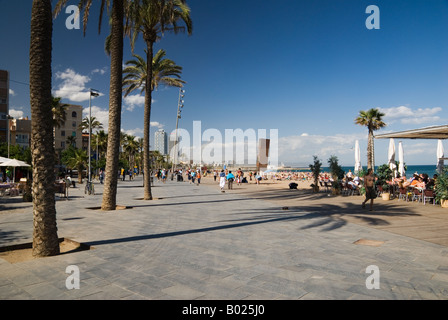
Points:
(90, 123)
(100, 142)
(130, 147)
(165, 72)
(78, 161)
(152, 18)
(373, 120)
(71, 141)
(45, 236)
(115, 92)
(59, 112)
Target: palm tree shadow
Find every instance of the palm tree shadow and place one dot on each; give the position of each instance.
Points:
(328, 217)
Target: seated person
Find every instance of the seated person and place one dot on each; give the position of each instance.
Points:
(420, 183)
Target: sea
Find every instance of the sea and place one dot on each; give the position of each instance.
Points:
(430, 170)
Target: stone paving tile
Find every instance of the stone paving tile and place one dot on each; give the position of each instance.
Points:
(197, 243)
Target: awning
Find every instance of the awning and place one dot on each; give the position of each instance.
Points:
(436, 132)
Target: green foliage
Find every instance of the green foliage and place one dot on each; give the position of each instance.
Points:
(384, 174)
(315, 169)
(335, 169)
(362, 173)
(441, 186)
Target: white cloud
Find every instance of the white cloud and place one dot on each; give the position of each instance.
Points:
(300, 150)
(137, 132)
(406, 115)
(133, 101)
(157, 125)
(102, 115)
(100, 71)
(11, 92)
(16, 113)
(73, 86)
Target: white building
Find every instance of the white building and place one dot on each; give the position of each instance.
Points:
(161, 142)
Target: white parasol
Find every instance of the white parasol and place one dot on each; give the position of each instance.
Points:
(391, 157)
(14, 163)
(401, 170)
(357, 157)
(440, 156)
(2, 159)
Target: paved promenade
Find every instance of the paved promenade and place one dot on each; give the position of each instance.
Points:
(194, 242)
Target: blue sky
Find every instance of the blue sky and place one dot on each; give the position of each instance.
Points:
(305, 68)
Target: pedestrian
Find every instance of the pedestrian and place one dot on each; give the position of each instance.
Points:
(189, 176)
(369, 183)
(101, 176)
(230, 178)
(198, 176)
(222, 180)
(215, 175)
(193, 177)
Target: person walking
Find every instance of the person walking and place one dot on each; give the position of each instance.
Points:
(222, 180)
(193, 176)
(230, 178)
(369, 183)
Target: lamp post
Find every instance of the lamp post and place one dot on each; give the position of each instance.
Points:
(180, 106)
(93, 93)
(8, 117)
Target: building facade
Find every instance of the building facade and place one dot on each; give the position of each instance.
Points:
(70, 131)
(20, 132)
(161, 142)
(4, 105)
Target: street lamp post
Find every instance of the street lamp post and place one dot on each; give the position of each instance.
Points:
(93, 93)
(8, 117)
(180, 106)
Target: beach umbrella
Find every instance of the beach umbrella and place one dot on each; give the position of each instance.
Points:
(440, 156)
(401, 159)
(2, 159)
(357, 157)
(14, 163)
(391, 157)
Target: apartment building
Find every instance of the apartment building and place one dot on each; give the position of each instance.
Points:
(69, 129)
(20, 132)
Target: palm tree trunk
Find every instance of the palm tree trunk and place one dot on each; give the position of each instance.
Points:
(370, 151)
(147, 124)
(45, 236)
(115, 103)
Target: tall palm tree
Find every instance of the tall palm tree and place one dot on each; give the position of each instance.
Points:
(100, 142)
(152, 18)
(373, 120)
(165, 72)
(45, 236)
(115, 92)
